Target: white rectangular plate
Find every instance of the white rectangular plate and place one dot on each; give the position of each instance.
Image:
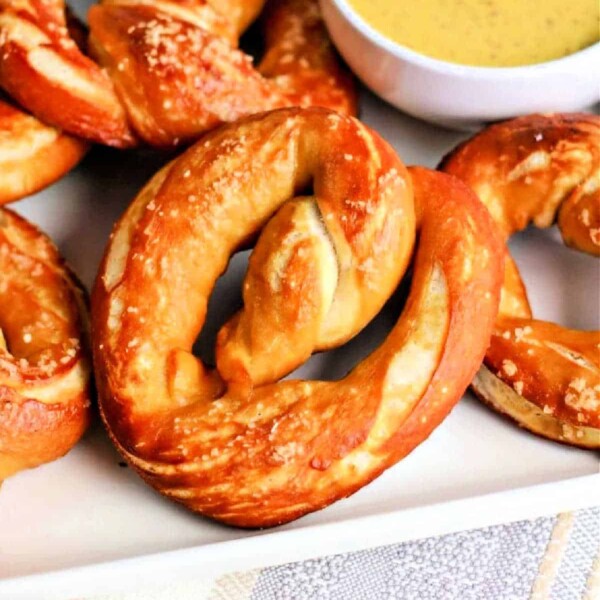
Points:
(84, 525)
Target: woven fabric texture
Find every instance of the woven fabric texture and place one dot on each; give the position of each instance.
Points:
(551, 558)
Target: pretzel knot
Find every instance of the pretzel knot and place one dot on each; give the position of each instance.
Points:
(540, 169)
(44, 371)
(165, 70)
(338, 216)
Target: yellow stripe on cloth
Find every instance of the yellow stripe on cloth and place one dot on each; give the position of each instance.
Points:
(592, 587)
(234, 586)
(555, 550)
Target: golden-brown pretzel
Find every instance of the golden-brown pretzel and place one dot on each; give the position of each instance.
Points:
(170, 68)
(540, 169)
(32, 155)
(44, 370)
(44, 70)
(231, 443)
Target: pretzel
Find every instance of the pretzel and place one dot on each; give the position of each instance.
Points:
(32, 155)
(540, 169)
(335, 205)
(44, 371)
(44, 70)
(168, 70)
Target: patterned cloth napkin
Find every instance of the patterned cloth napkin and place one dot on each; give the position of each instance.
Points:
(551, 558)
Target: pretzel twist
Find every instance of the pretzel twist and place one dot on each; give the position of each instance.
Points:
(232, 443)
(44, 372)
(167, 70)
(541, 169)
(32, 155)
(44, 70)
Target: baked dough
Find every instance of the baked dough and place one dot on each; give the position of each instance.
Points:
(44, 366)
(540, 169)
(338, 216)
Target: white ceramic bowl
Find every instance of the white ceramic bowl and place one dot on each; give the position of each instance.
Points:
(455, 95)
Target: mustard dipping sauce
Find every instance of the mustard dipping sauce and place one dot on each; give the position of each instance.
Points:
(492, 33)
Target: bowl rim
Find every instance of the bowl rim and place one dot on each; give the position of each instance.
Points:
(442, 66)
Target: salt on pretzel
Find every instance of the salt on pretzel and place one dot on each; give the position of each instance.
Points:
(32, 155)
(178, 72)
(541, 169)
(168, 69)
(336, 205)
(44, 370)
(44, 70)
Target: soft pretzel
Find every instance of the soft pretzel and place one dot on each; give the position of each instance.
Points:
(168, 69)
(540, 169)
(32, 155)
(44, 70)
(336, 207)
(44, 371)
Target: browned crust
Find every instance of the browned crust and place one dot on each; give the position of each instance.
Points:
(544, 426)
(541, 169)
(260, 455)
(179, 74)
(44, 370)
(27, 172)
(167, 70)
(34, 39)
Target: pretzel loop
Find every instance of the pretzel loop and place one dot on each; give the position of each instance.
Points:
(541, 169)
(230, 443)
(32, 155)
(44, 372)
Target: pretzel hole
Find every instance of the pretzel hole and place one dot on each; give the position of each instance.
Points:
(336, 363)
(252, 42)
(22, 335)
(531, 249)
(226, 300)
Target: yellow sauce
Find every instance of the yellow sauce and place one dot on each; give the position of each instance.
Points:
(495, 33)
